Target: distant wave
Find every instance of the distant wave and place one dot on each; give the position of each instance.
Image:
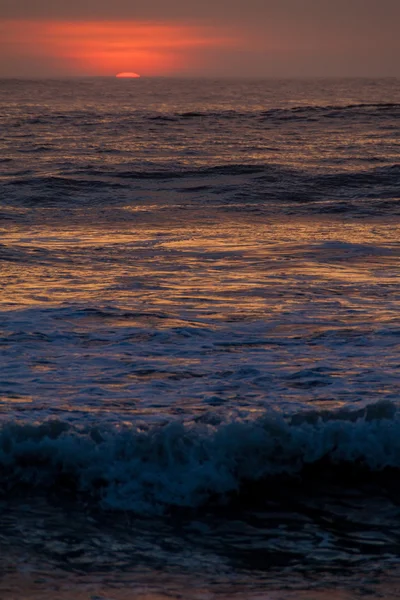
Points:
(295, 113)
(332, 111)
(267, 173)
(98, 177)
(378, 176)
(233, 169)
(153, 469)
(291, 113)
(101, 177)
(72, 183)
(230, 186)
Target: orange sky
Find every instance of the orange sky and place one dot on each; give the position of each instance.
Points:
(107, 48)
(255, 38)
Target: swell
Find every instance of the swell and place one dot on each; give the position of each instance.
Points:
(295, 113)
(333, 111)
(300, 112)
(156, 469)
(260, 185)
(236, 187)
(92, 177)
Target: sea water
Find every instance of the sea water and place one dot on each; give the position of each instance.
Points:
(199, 338)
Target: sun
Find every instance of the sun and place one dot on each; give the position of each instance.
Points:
(127, 76)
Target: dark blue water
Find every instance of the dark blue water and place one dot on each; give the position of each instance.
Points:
(199, 337)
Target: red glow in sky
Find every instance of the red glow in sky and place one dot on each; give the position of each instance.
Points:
(217, 38)
(107, 48)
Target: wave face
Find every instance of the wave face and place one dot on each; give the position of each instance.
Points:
(151, 470)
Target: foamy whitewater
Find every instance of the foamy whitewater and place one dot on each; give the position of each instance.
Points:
(199, 338)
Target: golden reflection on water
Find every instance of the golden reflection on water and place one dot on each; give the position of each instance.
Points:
(174, 314)
(222, 266)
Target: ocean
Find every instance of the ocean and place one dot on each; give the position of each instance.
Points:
(199, 339)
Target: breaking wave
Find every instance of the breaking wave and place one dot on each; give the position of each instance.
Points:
(155, 469)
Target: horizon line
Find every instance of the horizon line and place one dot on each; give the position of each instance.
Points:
(201, 77)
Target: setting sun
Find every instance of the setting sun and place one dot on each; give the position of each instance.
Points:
(127, 76)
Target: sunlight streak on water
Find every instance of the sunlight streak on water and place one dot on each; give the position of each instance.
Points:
(146, 306)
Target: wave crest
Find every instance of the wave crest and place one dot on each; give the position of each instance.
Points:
(149, 470)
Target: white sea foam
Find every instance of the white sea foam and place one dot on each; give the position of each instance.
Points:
(149, 470)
